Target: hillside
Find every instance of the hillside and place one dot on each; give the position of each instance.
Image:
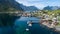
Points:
(7, 4)
(28, 8)
(7, 19)
(51, 8)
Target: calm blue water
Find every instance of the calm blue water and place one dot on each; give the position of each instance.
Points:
(21, 25)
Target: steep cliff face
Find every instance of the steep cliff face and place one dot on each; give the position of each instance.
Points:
(11, 6)
(15, 4)
(8, 6)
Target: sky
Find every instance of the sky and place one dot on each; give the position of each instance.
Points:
(39, 3)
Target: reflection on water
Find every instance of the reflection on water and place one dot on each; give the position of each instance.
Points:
(21, 26)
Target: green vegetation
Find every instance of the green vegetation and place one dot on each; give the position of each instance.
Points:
(55, 12)
(51, 13)
(6, 17)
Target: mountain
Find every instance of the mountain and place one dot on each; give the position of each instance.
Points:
(8, 19)
(6, 4)
(22, 7)
(28, 8)
(15, 5)
(51, 8)
(32, 8)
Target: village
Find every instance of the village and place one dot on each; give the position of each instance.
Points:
(50, 21)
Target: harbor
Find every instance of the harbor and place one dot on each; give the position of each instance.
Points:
(30, 24)
(29, 16)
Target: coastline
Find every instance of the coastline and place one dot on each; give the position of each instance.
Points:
(52, 29)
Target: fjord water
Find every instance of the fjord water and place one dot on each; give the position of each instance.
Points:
(21, 26)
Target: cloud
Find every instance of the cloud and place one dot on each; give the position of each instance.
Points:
(36, 3)
(33, 0)
(40, 6)
(40, 3)
(24, 2)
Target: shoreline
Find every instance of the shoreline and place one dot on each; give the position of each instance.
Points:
(52, 29)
